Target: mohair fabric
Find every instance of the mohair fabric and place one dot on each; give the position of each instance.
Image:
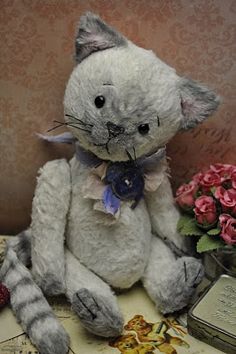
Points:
(120, 98)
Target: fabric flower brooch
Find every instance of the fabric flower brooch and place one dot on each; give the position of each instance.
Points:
(110, 183)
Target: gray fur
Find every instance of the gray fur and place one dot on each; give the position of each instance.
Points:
(7, 267)
(171, 282)
(51, 285)
(39, 317)
(77, 248)
(54, 343)
(30, 307)
(95, 35)
(48, 268)
(141, 89)
(20, 306)
(21, 244)
(96, 314)
(22, 282)
(183, 278)
(198, 102)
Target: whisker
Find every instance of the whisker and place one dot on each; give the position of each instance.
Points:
(129, 155)
(53, 128)
(79, 120)
(61, 124)
(107, 148)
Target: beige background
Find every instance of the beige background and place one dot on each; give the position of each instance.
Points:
(36, 40)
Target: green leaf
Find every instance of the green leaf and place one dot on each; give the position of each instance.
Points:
(213, 232)
(207, 243)
(187, 227)
(182, 220)
(213, 189)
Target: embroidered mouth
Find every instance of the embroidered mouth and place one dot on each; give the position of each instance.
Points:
(104, 145)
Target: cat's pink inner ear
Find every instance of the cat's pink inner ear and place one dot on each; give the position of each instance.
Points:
(95, 35)
(197, 102)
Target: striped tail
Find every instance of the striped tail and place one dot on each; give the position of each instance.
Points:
(21, 244)
(28, 302)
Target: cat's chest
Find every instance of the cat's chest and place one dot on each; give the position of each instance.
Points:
(87, 215)
(104, 243)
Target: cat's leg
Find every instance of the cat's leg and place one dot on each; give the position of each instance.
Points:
(49, 214)
(92, 299)
(29, 304)
(170, 282)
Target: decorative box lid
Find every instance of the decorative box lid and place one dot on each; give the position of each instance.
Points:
(213, 318)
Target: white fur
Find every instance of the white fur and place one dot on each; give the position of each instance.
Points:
(50, 208)
(139, 79)
(106, 249)
(139, 89)
(165, 215)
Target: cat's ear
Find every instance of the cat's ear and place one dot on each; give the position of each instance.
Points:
(94, 35)
(197, 102)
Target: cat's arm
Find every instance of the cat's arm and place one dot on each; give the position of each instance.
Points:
(50, 207)
(165, 215)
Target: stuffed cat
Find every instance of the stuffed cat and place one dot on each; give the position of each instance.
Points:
(107, 218)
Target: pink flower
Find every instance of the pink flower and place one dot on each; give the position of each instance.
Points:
(227, 198)
(185, 195)
(228, 228)
(224, 170)
(219, 192)
(205, 211)
(209, 179)
(197, 177)
(233, 178)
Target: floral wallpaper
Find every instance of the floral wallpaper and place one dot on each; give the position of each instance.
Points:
(197, 37)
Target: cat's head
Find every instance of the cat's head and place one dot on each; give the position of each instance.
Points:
(121, 97)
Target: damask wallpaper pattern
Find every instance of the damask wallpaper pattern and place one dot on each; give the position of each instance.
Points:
(197, 37)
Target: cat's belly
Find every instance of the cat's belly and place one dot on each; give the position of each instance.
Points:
(117, 252)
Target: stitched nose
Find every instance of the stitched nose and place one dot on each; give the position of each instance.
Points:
(114, 130)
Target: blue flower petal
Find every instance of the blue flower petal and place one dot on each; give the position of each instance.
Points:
(110, 201)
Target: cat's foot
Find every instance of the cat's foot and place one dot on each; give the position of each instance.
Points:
(97, 314)
(179, 284)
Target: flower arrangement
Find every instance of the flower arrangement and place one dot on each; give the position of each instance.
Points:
(208, 203)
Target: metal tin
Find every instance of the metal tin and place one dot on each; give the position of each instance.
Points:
(222, 261)
(212, 319)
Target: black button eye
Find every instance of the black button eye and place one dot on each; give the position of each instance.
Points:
(99, 101)
(143, 129)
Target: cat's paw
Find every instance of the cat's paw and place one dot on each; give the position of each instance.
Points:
(97, 313)
(179, 285)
